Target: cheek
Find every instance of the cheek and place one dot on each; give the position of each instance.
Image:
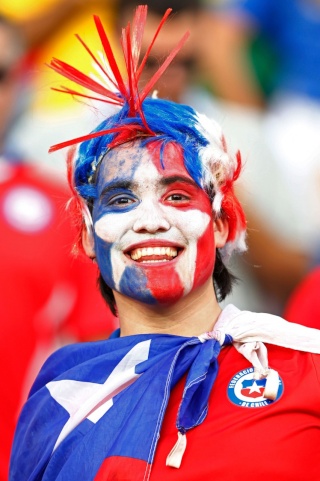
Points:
(205, 258)
(112, 227)
(195, 265)
(103, 247)
(104, 255)
(191, 222)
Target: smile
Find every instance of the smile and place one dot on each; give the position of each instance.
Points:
(153, 254)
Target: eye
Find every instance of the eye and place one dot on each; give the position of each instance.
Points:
(177, 197)
(121, 200)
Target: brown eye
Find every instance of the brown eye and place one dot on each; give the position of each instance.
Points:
(177, 197)
(123, 200)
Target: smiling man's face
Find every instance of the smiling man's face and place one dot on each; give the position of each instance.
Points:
(154, 236)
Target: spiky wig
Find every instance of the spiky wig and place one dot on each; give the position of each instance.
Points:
(206, 155)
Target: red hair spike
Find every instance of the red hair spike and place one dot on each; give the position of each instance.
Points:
(110, 56)
(145, 58)
(125, 91)
(163, 67)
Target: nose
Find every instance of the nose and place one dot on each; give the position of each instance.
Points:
(150, 218)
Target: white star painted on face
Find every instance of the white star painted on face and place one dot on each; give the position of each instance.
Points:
(255, 388)
(88, 400)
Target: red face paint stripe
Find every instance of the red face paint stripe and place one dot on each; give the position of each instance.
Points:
(205, 256)
(168, 292)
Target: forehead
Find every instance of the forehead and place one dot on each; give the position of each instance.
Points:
(143, 164)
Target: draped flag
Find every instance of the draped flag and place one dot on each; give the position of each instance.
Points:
(97, 406)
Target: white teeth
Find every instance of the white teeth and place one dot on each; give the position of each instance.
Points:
(154, 251)
(155, 261)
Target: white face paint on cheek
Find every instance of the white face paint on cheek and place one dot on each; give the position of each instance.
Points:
(193, 224)
(111, 228)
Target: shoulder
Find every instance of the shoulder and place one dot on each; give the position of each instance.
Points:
(301, 369)
(304, 304)
(66, 359)
(85, 361)
(245, 326)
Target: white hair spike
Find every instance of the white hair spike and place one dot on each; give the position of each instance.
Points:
(217, 201)
(100, 76)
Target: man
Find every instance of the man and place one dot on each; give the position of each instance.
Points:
(153, 191)
(46, 298)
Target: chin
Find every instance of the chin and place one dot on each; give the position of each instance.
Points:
(151, 289)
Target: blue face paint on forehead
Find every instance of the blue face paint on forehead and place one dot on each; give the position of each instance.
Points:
(114, 179)
(114, 167)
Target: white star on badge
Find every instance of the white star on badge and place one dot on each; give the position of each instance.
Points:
(255, 388)
(89, 400)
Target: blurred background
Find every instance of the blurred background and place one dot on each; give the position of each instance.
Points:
(253, 65)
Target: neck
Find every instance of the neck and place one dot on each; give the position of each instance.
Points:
(190, 316)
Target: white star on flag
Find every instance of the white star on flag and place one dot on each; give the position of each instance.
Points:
(91, 400)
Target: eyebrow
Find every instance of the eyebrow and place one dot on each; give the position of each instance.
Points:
(177, 178)
(130, 185)
(118, 184)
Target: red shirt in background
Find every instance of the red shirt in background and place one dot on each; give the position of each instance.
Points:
(47, 296)
(304, 304)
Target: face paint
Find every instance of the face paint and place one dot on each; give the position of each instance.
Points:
(153, 228)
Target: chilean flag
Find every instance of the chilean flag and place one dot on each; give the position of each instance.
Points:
(95, 410)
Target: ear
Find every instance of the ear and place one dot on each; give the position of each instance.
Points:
(221, 231)
(88, 242)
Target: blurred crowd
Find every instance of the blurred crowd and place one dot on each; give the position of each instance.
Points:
(253, 65)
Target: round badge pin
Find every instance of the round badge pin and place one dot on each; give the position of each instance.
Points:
(245, 391)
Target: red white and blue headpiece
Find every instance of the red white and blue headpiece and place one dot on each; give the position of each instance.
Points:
(139, 116)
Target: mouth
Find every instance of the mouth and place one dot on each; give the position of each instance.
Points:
(154, 255)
